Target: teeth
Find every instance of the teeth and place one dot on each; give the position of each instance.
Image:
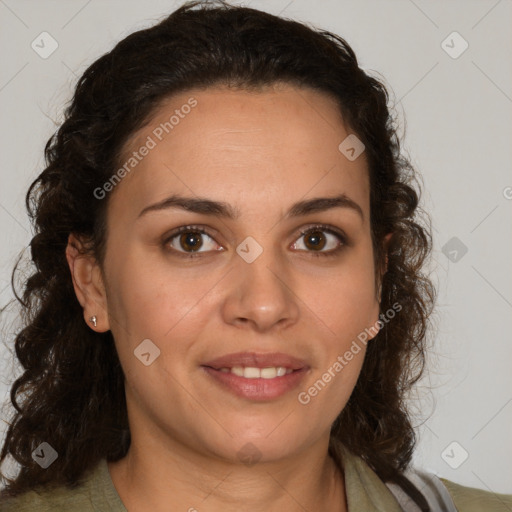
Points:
(267, 373)
(238, 370)
(250, 372)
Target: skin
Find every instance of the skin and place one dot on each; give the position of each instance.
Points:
(260, 152)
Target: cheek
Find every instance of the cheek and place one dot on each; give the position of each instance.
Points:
(147, 296)
(347, 305)
(344, 300)
(328, 389)
(150, 301)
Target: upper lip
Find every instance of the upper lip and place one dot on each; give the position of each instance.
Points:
(256, 360)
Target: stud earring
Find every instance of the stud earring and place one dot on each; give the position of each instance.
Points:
(93, 320)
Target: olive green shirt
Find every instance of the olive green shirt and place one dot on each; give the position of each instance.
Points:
(365, 493)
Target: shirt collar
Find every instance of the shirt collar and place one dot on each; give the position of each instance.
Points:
(364, 489)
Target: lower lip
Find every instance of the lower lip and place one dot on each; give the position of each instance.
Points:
(257, 389)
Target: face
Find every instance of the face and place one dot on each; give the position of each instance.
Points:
(252, 275)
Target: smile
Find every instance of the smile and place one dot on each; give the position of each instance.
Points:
(250, 372)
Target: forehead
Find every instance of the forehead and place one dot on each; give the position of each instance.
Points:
(277, 144)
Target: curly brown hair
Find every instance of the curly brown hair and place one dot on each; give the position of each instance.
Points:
(72, 388)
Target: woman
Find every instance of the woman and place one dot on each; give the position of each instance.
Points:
(228, 305)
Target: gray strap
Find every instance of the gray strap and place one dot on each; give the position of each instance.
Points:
(430, 486)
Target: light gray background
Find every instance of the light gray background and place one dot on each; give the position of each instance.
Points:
(458, 134)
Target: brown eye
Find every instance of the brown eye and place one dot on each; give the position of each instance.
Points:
(315, 240)
(191, 241)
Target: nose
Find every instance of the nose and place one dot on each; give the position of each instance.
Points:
(261, 295)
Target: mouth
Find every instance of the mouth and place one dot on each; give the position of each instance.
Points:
(257, 377)
(251, 372)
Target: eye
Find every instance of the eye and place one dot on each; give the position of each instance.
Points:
(188, 240)
(315, 240)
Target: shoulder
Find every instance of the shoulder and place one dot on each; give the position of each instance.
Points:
(46, 500)
(443, 494)
(470, 499)
(41, 501)
(94, 492)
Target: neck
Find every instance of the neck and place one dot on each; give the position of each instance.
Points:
(151, 478)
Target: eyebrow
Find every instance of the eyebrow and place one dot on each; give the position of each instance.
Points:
(224, 210)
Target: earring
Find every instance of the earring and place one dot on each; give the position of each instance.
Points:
(380, 293)
(93, 320)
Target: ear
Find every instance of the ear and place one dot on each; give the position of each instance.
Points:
(88, 284)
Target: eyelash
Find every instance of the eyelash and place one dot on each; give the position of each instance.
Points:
(317, 227)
